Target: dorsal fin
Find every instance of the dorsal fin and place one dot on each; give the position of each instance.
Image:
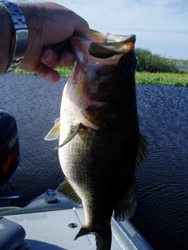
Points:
(72, 132)
(142, 150)
(54, 133)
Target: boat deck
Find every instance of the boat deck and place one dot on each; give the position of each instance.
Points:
(51, 222)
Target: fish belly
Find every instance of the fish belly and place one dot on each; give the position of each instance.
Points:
(97, 167)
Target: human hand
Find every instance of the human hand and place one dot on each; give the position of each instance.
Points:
(50, 26)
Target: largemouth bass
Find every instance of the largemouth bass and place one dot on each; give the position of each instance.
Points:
(100, 144)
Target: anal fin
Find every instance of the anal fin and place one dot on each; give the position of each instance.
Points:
(66, 188)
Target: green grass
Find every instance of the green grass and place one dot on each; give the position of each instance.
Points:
(173, 79)
(65, 71)
(21, 71)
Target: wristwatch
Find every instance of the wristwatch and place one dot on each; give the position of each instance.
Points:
(19, 34)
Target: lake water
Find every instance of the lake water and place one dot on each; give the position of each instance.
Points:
(162, 210)
(182, 67)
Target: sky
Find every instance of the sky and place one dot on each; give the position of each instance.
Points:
(159, 25)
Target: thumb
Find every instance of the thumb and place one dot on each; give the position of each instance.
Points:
(81, 27)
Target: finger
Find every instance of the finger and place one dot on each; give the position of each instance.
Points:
(64, 51)
(50, 58)
(66, 59)
(48, 74)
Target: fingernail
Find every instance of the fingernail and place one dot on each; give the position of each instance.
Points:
(49, 57)
(48, 77)
(52, 77)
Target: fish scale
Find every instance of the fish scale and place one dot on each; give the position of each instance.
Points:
(100, 145)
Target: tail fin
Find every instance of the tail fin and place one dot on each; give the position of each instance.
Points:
(103, 239)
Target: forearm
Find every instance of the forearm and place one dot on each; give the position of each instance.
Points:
(5, 38)
(34, 23)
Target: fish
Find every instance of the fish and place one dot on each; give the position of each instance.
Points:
(100, 145)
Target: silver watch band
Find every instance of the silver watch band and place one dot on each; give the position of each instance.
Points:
(19, 35)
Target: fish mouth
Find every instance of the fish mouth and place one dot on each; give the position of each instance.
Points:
(108, 45)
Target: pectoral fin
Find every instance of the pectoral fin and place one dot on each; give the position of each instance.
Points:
(66, 188)
(54, 133)
(73, 131)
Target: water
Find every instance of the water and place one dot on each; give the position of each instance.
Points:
(35, 105)
(182, 67)
(162, 209)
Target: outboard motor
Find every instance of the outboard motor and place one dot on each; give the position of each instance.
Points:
(11, 234)
(9, 146)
